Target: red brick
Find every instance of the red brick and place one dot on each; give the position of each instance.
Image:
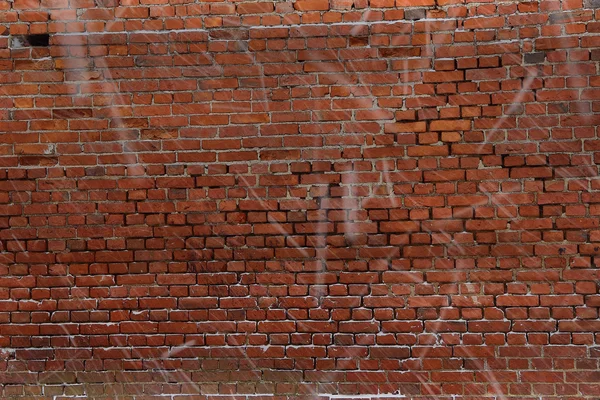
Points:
(284, 199)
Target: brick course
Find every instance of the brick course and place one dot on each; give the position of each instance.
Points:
(300, 199)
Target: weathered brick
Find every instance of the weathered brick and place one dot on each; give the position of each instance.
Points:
(288, 199)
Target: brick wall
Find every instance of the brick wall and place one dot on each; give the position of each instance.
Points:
(299, 199)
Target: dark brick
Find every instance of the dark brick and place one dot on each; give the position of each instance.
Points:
(535, 58)
(591, 3)
(415, 13)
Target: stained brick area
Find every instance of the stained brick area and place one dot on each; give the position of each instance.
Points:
(282, 200)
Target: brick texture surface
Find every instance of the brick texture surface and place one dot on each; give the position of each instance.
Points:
(292, 200)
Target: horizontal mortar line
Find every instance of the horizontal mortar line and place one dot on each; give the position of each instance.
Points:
(330, 396)
(254, 27)
(364, 396)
